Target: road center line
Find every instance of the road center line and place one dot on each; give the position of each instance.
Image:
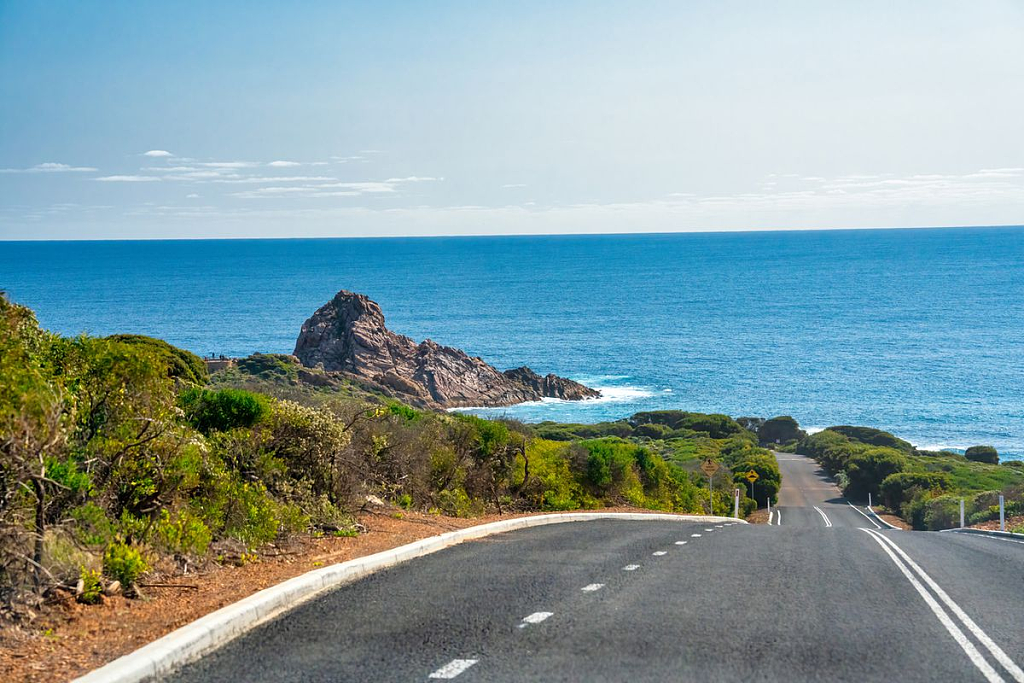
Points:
(778, 518)
(997, 652)
(877, 525)
(535, 618)
(631, 568)
(453, 668)
(680, 542)
(590, 588)
(828, 523)
(659, 553)
(968, 647)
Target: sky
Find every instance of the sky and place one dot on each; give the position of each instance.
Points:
(140, 120)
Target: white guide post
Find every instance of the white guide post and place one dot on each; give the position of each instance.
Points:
(1002, 513)
(961, 513)
(736, 503)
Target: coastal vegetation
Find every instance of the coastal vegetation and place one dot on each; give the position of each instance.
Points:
(120, 456)
(923, 487)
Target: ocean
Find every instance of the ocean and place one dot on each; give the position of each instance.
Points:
(919, 332)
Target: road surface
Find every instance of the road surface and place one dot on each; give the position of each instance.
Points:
(820, 595)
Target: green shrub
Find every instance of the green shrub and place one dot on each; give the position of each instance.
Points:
(779, 430)
(866, 470)
(183, 532)
(224, 409)
(986, 454)
(897, 489)
(181, 364)
(873, 437)
(124, 563)
(92, 587)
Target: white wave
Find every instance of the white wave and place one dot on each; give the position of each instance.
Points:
(813, 430)
(938, 447)
(609, 394)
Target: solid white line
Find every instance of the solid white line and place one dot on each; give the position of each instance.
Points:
(535, 618)
(680, 542)
(659, 553)
(453, 668)
(824, 517)
(958, 635)
(891, 526)
(771, 516)
(997, 652)
(631, 568)
(778, 518)
(590, 588)
(863, 514)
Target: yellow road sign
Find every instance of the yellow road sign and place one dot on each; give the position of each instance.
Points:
(752, 476)
(709, 467)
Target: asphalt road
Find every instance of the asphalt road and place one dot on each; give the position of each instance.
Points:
(820, 595)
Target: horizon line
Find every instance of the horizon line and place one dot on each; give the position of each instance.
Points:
(512, 234)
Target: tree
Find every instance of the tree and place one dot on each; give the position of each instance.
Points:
(781, 429)
(867, 469)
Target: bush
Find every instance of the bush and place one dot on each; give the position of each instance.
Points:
(867, 470)
(223, 410)
(986, 454)
(873, 437)
(92, 587)
(897, 489)
(181, 364)
(124, 563)
(778, 430)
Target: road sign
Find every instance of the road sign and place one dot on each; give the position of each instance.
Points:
(709, 467)
(752, 476)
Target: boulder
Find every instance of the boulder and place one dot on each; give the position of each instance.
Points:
(348, 335)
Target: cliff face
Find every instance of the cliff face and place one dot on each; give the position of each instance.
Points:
(348, 335)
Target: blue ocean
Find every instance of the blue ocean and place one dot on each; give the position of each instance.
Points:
(920, 332)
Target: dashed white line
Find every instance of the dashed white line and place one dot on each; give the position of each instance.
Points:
(1011, 667)
(680, 542)
(591, 587)
(718, 526)
(694, 535)
(659, 553)
(453, 668)
(771, 516)
(828, 522)
(535, 618)
(631, 568)
(709, 530)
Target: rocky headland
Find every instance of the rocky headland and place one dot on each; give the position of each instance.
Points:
(347, 335)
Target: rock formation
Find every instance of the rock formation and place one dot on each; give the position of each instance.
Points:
(347, 335)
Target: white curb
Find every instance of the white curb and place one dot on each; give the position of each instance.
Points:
(217, 628)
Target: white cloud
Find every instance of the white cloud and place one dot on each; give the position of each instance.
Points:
(157, 153)
(51, 167)
(512, 185)
(128, 179)
(413, 179)
(192, 196)
(284, 164)
(229, 164)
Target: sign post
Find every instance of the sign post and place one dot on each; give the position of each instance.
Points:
(752, 476)
(709, 467)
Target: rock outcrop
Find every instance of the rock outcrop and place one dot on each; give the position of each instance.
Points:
(347, 335)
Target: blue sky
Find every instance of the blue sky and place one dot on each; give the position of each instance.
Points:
(151, 120)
